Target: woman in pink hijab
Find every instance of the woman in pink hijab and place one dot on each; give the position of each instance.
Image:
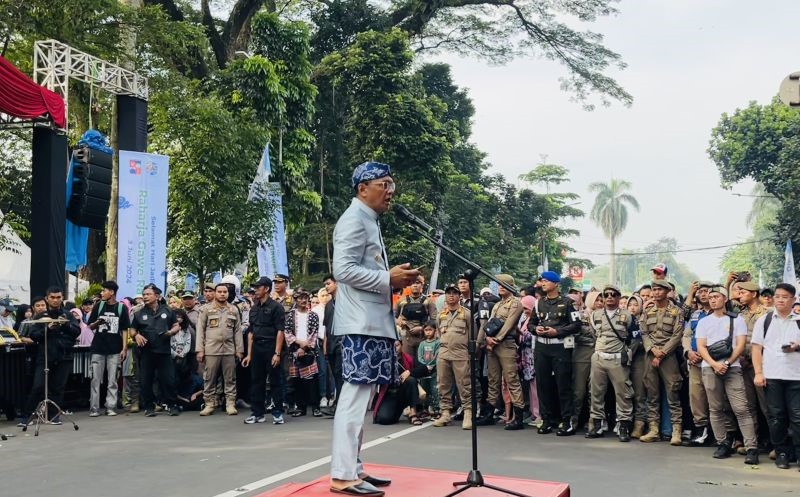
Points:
(526, 343)
(86, 336)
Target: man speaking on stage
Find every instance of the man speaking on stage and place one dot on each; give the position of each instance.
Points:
(364, 319)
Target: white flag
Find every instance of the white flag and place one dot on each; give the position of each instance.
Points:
(789, 274)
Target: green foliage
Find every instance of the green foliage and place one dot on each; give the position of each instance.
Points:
(94, 289)
(213, 156)
(762, 142)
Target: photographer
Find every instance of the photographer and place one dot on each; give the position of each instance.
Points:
(775, 347)
(60, 340)
(110, 322)
(721, 339)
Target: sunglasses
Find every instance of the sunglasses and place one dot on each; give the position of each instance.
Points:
(385, 185)
(611, 294)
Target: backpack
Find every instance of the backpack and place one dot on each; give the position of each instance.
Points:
(103, 303)
(415, 311)
(768, 321)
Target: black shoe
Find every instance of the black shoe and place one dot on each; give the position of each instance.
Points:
(150, 413)
(782, 460)
(545, 429)
(317, 413)
(624, 431)
(516, 423)
(751, 457)
(329, 412)
(723, 451)
(364, 489)
(486, 420)
(376, 481)
(700, 437)
(566, 429)
(174, 411)
(594, 429)
(297, 414)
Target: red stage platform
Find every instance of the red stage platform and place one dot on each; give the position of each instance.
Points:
(416, 482)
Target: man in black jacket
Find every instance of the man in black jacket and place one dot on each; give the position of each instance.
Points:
(331, 345)
(60, 340)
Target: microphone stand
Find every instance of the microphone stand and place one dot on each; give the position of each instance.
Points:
(474, 477)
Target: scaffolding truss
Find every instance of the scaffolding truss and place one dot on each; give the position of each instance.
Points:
(55, 63)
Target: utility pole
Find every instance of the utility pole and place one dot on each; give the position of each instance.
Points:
(435, 273)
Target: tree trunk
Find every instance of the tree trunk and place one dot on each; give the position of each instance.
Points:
(113, 223)
(612, 265)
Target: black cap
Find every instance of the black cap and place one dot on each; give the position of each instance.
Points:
(152, 286)
(263, 281)
(281, 277)
(110, 285)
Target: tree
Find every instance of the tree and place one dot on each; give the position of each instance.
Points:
(762, 142)
(213, 156)
(610, 213)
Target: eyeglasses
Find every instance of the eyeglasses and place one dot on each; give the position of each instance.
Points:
(386, 185)
(610, 294)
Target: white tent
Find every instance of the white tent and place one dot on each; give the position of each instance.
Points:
(15, 266)
(15, 269)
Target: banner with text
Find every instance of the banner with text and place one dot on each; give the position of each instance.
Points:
(142, 221)
(271, 254)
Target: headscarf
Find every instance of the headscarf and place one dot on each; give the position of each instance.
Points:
(641, 304)
(591, 297)
(528, 303)
(578, 300)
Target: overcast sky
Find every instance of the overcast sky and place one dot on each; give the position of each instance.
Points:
(688, 62)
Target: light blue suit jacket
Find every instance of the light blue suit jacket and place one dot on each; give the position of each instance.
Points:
(361, 269)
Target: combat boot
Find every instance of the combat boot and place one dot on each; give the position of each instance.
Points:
(516, 423)
(134, 407)
(652, 433)
(444, 419)
(230, 408)
(594, 429)
(677, 430)
(638, 429)
(624, 431)
(208, 410)
(487, 419)
(466, 423)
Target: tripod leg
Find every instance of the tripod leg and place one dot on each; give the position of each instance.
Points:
(499, 489)
(466, 487)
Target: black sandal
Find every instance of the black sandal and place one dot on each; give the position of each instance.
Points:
(414, 420)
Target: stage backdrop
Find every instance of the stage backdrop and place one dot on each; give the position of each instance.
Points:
(142, 245)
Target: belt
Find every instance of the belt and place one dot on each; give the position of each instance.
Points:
(264, 339)
(549, 340)
(606, 355)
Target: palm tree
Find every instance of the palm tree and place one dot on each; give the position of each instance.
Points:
(610, 213)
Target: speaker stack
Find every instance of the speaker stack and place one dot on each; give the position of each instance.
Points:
(91, 188)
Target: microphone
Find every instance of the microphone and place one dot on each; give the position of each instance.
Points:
(406, 214)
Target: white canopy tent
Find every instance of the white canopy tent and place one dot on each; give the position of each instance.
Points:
(15, 269)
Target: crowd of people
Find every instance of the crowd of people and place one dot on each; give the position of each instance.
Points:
(698, 370)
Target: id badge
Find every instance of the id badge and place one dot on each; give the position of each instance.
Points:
(569, 342)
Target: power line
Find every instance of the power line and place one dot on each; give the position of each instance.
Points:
(700, 249)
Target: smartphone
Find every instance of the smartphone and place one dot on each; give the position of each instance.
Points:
(787, 347)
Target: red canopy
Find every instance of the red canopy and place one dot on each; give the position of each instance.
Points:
(20, 97)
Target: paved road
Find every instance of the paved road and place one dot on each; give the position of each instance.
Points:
(134, 456)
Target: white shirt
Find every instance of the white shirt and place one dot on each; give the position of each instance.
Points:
(778, 365)
(717, 328)
(301, 326)
(319, 309)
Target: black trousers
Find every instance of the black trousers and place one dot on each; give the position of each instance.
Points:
(152, 364)
(260, 369)
(396, 400)
(306, 393)
(335, 366)
(59, 374)
(783, 409)
(553, 364)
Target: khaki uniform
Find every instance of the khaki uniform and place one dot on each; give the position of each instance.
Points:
(755, 395)
(502, 358)
(662, 328)
(411, 339)
(286, 301)
(607, 363)
(698, 399)
(219, 337)
(452, 364)
(582, 365)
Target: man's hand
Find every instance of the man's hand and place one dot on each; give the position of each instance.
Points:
(540, 330)
(123, 354)
(239, 355)
(720, 368)
(730, 279)
(744, 361)
(658, 353)
(694, 358)
(246, 361)
(656, 362)
(403, 275)
(201, 356)
(276, 360)
(759, 380)
(141, 341)
(404, 376)
(550, 332)
(300, 353)
(490, 342)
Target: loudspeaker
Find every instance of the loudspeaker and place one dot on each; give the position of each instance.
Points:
(48, 209)
(91, 188)
(131, 124)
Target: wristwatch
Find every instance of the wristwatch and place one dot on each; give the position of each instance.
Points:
(725, 362)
